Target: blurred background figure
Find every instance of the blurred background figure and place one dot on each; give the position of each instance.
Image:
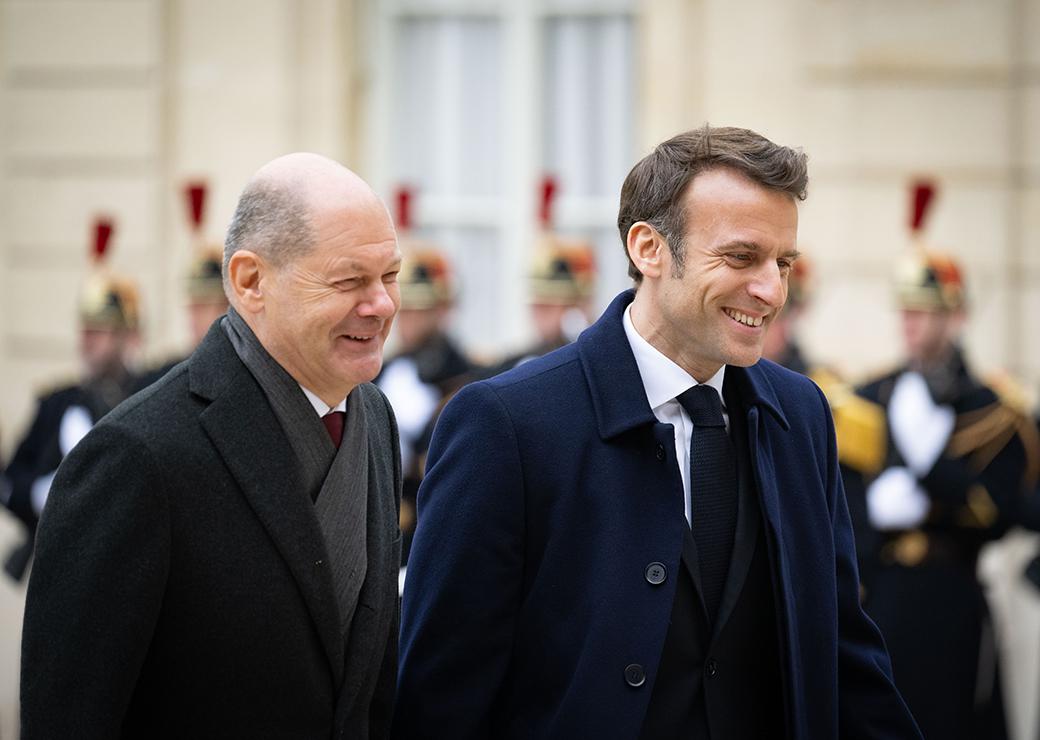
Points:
(937, 474)
(108, 335)
(1031, 507)
(561, 284)
(427, 366)
(206, 300)
(781, 343)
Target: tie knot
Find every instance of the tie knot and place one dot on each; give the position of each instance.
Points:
(333, 422)
(703, 404)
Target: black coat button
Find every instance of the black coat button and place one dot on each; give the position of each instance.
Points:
(655, 574)
(660, 452)
(634, 675)
(711, 668)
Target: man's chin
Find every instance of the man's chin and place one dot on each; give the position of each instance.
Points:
(745, 358)
(363, 371)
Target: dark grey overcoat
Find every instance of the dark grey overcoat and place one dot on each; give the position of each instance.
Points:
(182, 586)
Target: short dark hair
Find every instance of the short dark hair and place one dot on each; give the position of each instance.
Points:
(271, 220)
(653, 190)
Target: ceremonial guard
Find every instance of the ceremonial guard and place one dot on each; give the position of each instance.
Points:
(428, 366)
(206, 300)
(108, 319)
(561, 283)
(934, 466)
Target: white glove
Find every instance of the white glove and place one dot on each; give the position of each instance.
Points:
(920, 428)
(41, 488)
(895, 500)
(75, 423)
(414, 403)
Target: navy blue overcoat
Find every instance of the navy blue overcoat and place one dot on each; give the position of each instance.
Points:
(549, 489)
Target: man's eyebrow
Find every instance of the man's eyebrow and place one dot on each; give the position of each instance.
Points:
(738, 244)
(791, 254)
(356, 268)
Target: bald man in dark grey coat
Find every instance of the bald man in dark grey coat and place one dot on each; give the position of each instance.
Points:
(219, 556)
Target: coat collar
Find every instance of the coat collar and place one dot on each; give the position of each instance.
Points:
(616, 386)
(243, 428)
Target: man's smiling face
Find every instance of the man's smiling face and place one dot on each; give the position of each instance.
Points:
(713, 307)
(328, 312)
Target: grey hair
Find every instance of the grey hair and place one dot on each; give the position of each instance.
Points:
(653, 190)
(271, 220)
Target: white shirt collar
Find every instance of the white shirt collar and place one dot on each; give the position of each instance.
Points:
(663, 380)
(320, 406)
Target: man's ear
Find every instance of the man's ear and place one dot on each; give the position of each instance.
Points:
(646, 248)
(245, 272)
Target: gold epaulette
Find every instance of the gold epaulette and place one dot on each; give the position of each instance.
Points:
(826, 378)
(859, 424)
(1013, 395)
(981, 434)
(1009, 391)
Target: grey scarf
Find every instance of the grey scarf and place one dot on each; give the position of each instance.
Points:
(336, 480)
(311, 445)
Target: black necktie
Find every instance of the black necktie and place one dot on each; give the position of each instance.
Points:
(333, 422)
(713, 490)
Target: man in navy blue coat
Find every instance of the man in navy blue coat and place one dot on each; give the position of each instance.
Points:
(644, 534)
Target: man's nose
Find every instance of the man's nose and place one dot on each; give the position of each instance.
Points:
(379, 302)
(769, 286)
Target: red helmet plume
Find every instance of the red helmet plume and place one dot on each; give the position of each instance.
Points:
(196, 193)
(102, 235)
(403, 200)
(922, 195)
(548, 196)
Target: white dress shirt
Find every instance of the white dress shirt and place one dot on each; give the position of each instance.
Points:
(663, 380)
(320, 406)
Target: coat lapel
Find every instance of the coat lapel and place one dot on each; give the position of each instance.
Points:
(614, 382)
(763, 466)
(243, 428)
(757, 394)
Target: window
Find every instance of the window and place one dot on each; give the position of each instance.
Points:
(474, 103)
